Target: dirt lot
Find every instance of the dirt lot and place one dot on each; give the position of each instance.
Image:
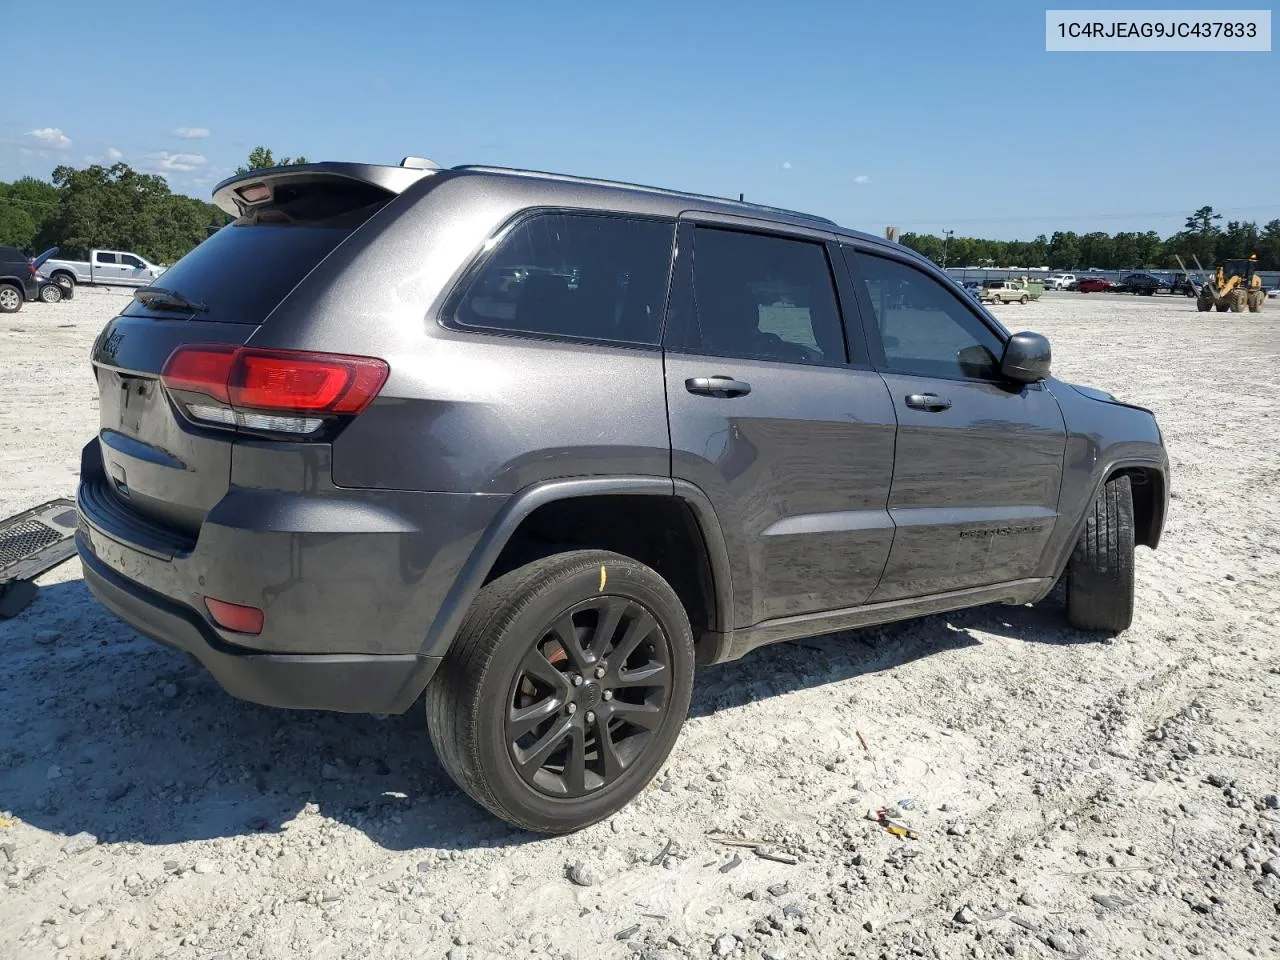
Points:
(1072, 797)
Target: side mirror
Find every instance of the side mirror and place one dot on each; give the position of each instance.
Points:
(1026, 358)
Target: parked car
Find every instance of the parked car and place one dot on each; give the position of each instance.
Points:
(1184, 286)
(1004, 291)
(1094, 285)
(1059, 281)
(108, 267)
(338, 514)
(18, 281)
(49, 290)
(1146, 284)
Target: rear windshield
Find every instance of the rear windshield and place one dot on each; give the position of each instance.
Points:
(243, 271)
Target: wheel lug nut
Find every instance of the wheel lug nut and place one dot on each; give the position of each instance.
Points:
(608, 695)
(591, 717)
(599, 672)
(572, 708)
(577, 680)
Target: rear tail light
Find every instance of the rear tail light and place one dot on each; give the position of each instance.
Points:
(32, 268)
(234, 616)
(279, 391)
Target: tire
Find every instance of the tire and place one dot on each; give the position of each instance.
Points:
(1256, 299)
(507, 648)
(64, 279)
(1238, 301)
(10, 298)
(1023, 299)
(1222, 307)
(51, 293)
(1100, 572)
(1204, 304)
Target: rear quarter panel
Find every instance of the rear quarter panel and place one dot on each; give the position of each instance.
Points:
(462, 411)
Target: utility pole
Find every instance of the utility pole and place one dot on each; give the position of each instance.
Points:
(946, 236)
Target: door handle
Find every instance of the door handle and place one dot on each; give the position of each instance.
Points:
(717, 386)
(928, 401)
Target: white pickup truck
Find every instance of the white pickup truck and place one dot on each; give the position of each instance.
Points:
(1059, 281)
(116, 267)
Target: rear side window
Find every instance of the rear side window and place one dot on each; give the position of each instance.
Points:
(762, 298)
(243, 271)
(106, 258)
(581, 276)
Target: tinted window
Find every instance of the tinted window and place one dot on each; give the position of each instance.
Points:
(106, 258)
(244, 270)
(761, 298)
(130, 261)
(575, 275)
(925, 328)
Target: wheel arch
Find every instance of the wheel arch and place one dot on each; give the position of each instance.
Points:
(1149, 487)
(701, 578)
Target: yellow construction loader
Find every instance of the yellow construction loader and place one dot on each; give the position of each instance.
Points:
(1235, 286)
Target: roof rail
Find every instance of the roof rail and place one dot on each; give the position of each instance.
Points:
(662, 191)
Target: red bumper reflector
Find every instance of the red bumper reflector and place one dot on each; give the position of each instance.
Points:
(234, 616)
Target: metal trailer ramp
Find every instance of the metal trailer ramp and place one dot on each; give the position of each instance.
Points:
(31, 543)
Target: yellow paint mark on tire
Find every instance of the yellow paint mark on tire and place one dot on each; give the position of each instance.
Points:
(603, 578)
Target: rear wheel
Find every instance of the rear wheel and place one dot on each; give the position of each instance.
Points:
(565, 690)
(51, 293)
(1204, 303)
(1023, 299)
(1100, 574)
(1238, 301)
(64, 280)
(10, 298)
(1256, 299)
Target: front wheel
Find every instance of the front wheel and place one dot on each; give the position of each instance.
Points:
(564, 691)
(1100, 574)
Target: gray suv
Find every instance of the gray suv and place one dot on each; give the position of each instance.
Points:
(535, 445)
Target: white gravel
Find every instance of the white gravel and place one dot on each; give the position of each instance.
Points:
(1071, 796)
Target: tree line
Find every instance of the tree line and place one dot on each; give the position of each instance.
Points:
(122, 208)
(1203, 237)
(115, 207)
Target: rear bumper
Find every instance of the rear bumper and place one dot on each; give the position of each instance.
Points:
(350, 683)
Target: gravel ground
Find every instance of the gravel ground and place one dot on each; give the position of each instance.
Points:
(1071, 796)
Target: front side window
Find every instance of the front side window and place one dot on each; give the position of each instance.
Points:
(759, 297)
(130, 261)
(926, 329)
(581, 276)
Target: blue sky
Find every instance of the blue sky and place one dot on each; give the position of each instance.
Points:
(924, 115)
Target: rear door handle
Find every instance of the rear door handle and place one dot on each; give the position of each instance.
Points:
(717, 386)
(928, 401)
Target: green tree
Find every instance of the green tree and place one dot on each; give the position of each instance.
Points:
(1097, 250)
(117, 207)
(24, 207)
(925, 244)
(260, 158)
(1201, 234)
(1064, 251)
(1269, 246)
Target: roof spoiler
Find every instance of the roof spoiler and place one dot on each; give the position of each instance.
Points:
(236, 194)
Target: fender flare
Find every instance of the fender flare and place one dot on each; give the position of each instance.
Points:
(467, 584)
(1120, 463)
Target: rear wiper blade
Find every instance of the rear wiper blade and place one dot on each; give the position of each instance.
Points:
(158, 298)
